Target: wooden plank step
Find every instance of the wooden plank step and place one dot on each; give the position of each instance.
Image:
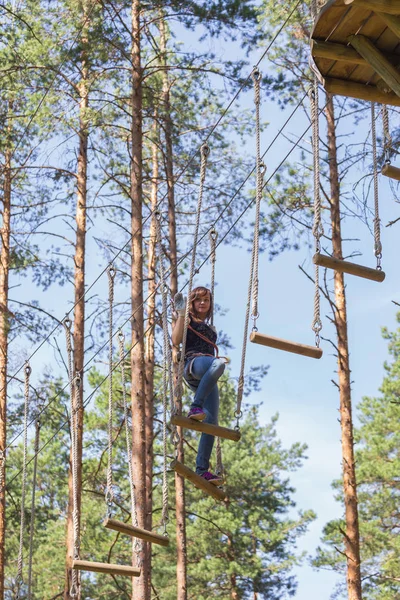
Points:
(111, 569)
(199, 482)
(136, 532)
(392, 172)
(216, 430)
(343, 266)
(285, 345)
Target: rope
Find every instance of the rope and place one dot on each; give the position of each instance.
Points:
(318, 230)
(205, 151)
(33, 506)
(377, 221)
(74, 385)
(253, 279)
(166, 373)
(128, 438)
(109, 495)
(388, 142)
(20, 580)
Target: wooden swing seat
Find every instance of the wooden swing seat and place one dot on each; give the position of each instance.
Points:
(216, 430)
(391, 172)
(355, 49)
(199, 482)
(110, 569)
(343, 266)
(136, 532)
(285, 345)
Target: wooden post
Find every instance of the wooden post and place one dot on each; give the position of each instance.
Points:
(215, 430)
(344, 266)
(334, 51)
(392, 22)
(377, 60)
(199, 482)
(287, 346)
(360, 91)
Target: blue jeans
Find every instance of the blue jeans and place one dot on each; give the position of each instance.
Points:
(205, 372)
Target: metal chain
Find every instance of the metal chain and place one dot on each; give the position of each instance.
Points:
(165, 371)
(33, 502)
(74, 385)
(20, 580)
(318, 230)
(109, 495)
(260, 170)
(388, 142)
(205, 151)
(377, 221)
(128, 439)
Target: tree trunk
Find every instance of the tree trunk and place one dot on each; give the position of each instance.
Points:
(232, 576)
(181, 563)
(149, 353)
(352, 536)
(79, 298)
(137, 353)
(4, 329)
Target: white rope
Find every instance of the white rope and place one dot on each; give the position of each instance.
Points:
(33, 504)
(74, 385)
(253, 279)
(20, 580)
(318, 230)
(205, 151)
(377, 221)
(388, 142)
(109, 495)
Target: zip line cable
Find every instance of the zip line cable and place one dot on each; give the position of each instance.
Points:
(158, 285)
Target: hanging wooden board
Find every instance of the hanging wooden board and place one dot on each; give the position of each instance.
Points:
(110, 569)
(209, 488)
(285, 345)
(136, 532)
(215, 430)
(391, 172)
(355, 49)
(343, 266)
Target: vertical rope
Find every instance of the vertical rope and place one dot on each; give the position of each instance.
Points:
(205, 151)
(28, 371)
(377, 221)
(318, 230)
(388, 142)
(109, 496)
(33, 504)
(74, 385)
(253, 279)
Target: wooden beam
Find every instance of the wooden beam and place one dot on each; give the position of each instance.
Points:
(111, 569)
(360, 91)
(392, 172)
(392, 7)
(216, 430)
(199, 482)
(343, 266)
(136, 532)
(285, 345)
(377, 60)
(392, 22)
(343, 53)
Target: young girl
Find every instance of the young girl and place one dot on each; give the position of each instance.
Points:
(202, 369)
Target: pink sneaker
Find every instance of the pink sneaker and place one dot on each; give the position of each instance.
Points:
(211, 478)
(196, 413)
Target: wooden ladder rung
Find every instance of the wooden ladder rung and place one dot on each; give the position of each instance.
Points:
(126, 528)
(287, 346)
(216, 430)
(343, 266)
(199, 482)
(111, 569)
(392, 172)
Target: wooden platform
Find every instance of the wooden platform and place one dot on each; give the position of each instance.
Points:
(136, 532)
(199, 482)
(355, 49)
(344, 266)
(285, 345)
(110, 569)
(216, 430)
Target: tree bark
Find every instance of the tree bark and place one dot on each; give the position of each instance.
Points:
(149, 352)
(352, 535)
(139, 584)
(232, 576)
(4, 330)
(79, 296)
